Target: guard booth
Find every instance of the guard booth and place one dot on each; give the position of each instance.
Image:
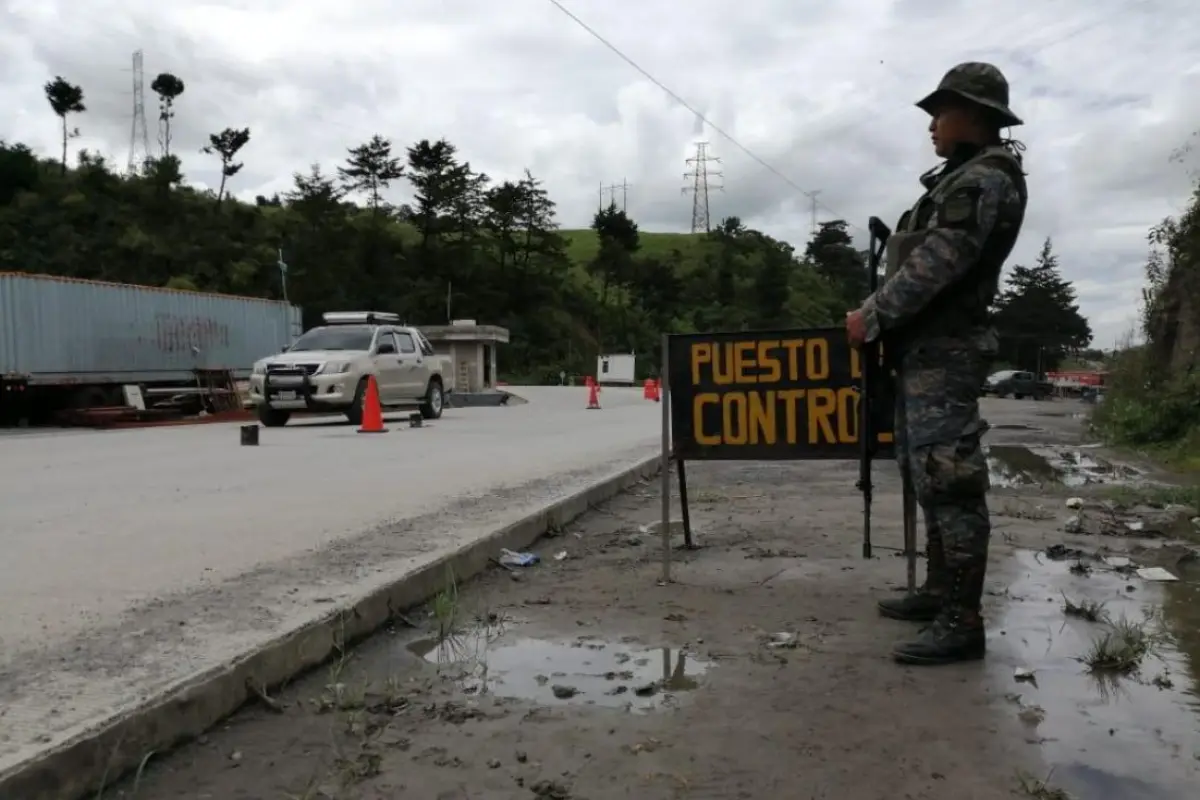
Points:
(472, 348)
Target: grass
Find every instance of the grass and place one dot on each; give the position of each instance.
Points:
(1089, 610)
(1123, 646)
(582, 244)
(1041, 789)
(446, 608)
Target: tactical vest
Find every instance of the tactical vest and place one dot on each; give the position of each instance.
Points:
(964, 306)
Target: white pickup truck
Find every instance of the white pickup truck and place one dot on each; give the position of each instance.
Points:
(326, 370)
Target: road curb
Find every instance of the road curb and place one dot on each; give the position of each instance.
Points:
(78, 768)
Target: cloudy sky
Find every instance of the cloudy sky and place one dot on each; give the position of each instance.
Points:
(820, 92)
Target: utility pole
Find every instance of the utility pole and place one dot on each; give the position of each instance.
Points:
(139, 135)
(812, 199)
(612, 194)
(700, 186)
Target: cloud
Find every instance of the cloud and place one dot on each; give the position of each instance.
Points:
(822, 93)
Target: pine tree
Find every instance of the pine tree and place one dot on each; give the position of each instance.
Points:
(1037, 315)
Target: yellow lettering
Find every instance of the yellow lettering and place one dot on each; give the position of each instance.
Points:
(822, 404)
(762, 417)
(702, 400)
(734, 418)
(769, 362)
(855, 363)
(744, 363)
(793, 346)
(885, 438)
(723, 364)
(816, 357)
(702, 353)
(847, 415)
(792, 398)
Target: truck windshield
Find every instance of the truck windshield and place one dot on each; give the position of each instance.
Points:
(1002, 375)
(334, 338)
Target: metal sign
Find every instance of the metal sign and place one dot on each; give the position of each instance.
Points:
(784, 395)
(788, 395)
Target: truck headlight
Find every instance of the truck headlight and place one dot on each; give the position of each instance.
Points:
(259, 369)
(335, 368)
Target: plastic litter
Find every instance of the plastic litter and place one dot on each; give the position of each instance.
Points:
(510, 558)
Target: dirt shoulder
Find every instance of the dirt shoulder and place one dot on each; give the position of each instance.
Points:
(762, 672)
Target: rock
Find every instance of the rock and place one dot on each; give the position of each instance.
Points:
(1075, 503)
(1073, 524)
(564, 692)
(550, 790)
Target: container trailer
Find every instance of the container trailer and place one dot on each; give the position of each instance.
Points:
(68, 344)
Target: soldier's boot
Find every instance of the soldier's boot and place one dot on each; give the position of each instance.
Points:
(957, 633)
(924, 604)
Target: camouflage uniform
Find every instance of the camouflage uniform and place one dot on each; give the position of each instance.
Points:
(944, 263)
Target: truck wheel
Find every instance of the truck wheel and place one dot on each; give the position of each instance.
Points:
(273, 417)
(355, 411)
(435, 400)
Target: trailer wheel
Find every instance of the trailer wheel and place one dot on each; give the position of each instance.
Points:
(273, 417)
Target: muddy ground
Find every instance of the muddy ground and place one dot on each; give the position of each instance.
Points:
(763, 671)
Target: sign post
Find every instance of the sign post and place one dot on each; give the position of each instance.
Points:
(785, 395)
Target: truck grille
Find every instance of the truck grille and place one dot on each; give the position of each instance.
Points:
(292, 369)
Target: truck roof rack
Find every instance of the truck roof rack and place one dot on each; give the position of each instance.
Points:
(360, 318)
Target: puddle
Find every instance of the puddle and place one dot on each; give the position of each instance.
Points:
(1012, 466)
(1129, 738)
(584, 671)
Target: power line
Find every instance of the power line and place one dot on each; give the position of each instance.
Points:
(724, 134)
(612, 195)
(699, 176)
(1099, 19)
(812, 199)
(139, 135)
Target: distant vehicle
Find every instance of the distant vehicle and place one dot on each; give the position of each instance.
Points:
(1018, 384)
(327, 370)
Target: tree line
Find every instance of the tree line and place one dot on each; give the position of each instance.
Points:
(1154, 388)
(467, 245)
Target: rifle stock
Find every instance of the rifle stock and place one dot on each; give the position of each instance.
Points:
(879, 235)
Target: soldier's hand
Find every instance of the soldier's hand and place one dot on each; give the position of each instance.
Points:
(856, 327)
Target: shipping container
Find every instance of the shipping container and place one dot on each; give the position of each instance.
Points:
(63, 330)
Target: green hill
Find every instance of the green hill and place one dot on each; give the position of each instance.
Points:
(583, 244)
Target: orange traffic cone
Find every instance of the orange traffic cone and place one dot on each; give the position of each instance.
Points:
(648, 389)
(593, 397)
(658, 390)
(372, 413)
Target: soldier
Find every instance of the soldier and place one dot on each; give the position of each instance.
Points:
(943, 272)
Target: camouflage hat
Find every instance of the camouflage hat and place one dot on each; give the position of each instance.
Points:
(978, 82)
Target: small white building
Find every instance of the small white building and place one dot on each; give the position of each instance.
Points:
(616, 369)
(473, 349)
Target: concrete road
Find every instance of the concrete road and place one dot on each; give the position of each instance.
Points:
(133, 558)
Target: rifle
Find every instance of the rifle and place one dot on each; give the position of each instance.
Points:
(868, 441)
(874, 368)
